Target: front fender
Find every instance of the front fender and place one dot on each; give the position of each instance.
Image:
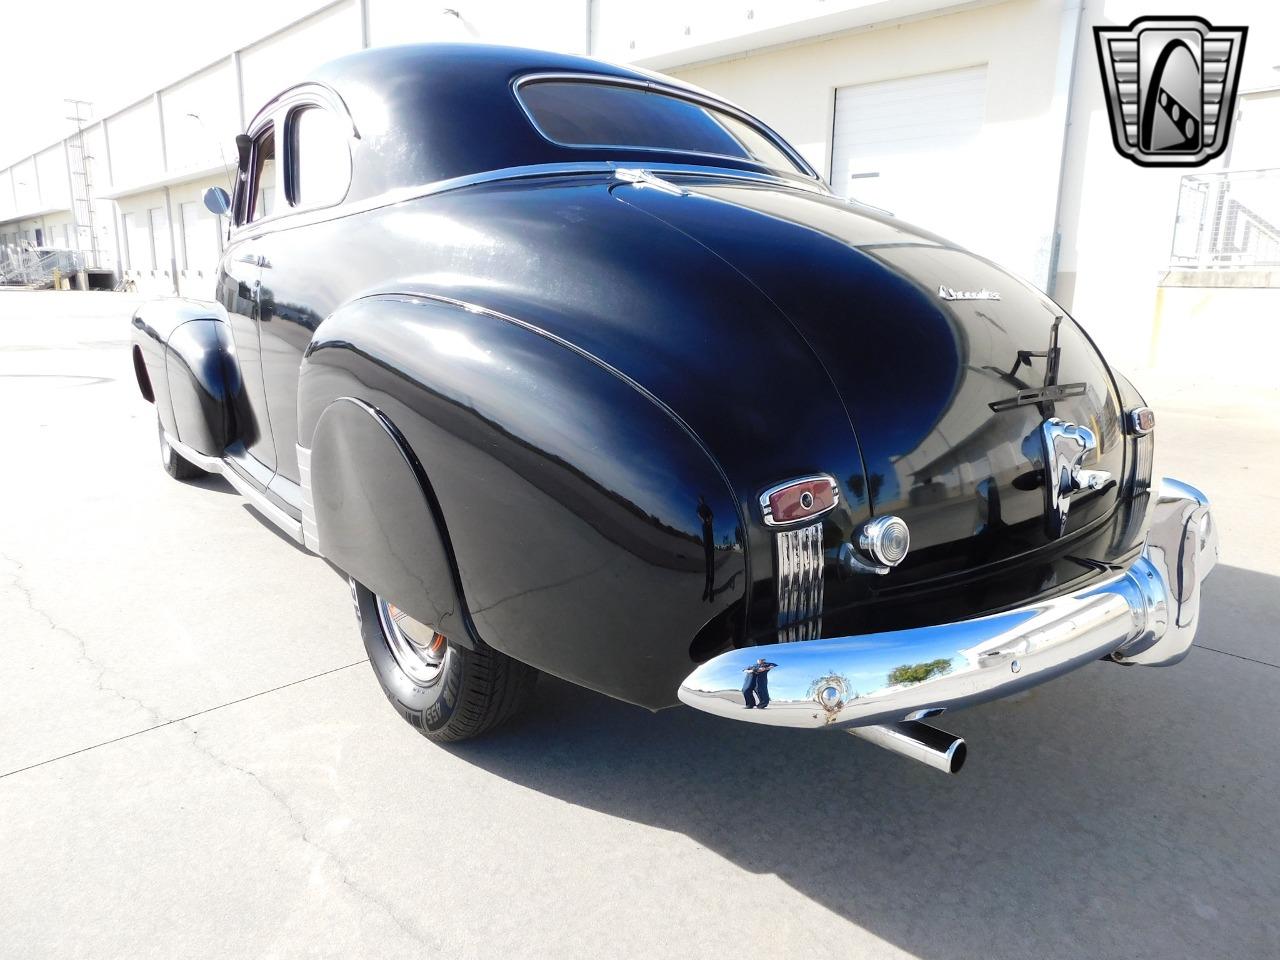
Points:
(184, 360)
(589, 532)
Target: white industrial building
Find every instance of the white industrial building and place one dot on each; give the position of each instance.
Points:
(984, 121)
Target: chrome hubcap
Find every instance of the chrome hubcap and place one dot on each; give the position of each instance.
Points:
(417, 648)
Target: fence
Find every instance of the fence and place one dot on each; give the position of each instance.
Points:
(1228, 221)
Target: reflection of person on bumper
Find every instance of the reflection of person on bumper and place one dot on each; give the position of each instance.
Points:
(755, 685)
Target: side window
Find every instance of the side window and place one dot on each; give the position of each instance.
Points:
(264, 176)
(319, 158)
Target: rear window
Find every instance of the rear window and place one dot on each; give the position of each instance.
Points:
(577, 113)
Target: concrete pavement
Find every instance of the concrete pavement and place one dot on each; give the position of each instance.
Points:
(195, 761)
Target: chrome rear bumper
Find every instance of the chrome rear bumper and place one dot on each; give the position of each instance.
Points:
(1146, 615)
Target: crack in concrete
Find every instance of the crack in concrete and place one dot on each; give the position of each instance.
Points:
(189, 716)
(17, 582)
(304, 834)
(1238, 656)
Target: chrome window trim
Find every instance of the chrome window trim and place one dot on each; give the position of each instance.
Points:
(278, 112)
(767, 512)
(309, 90)
(291, 114)
(255, 133)
(803, 169)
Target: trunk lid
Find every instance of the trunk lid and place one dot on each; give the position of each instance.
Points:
(936, 388)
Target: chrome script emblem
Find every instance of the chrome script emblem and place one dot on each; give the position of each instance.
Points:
(950, 293)
(1065, 447)
(1170, 86)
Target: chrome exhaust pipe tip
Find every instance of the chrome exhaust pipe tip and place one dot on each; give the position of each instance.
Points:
(918, 741)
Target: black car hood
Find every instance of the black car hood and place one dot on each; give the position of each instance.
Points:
(918, 373)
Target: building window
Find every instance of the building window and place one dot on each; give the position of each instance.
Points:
(319, 161)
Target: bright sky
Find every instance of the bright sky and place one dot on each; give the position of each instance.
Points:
(113, 54)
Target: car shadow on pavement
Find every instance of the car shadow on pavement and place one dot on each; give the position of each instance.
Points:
(253, 511)
(1114, 812)
(211, 482)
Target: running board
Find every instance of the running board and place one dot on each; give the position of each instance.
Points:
(257, 499)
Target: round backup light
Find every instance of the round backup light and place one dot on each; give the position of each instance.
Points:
(885, 540)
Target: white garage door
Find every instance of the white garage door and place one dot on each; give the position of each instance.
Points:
(911, 146)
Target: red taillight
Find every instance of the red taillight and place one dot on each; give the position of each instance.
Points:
(799, 500)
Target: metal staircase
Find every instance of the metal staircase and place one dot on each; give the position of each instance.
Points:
(80, 165)
(24, 265)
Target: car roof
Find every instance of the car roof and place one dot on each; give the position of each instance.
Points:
(423, 113)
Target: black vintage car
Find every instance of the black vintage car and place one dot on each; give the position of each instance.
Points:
(573, 368)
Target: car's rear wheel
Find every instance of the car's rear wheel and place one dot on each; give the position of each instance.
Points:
(175, 465)
(444, 690)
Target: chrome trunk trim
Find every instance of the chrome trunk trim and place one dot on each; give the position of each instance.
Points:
(800, 571)
(1145, 615)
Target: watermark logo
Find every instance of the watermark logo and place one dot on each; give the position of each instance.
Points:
(1170, 84)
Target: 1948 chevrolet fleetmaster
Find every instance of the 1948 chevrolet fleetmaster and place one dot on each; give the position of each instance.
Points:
(573, 368)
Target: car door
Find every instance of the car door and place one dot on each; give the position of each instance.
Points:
(240, 291)
(301, 272)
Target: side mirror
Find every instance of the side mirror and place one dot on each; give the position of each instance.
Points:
(217, 201)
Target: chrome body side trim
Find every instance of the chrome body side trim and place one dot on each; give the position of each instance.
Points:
(643, 178)
(1146, 614)
(207, 464)
(256, 497)
(263, 505)
(310, 532)
(800, 570)
(300, 218)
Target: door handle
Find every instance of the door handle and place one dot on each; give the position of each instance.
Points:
(253, 260)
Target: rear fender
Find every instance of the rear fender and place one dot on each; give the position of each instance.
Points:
(367, 492)
(588, 531)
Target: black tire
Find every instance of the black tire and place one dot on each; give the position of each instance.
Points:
(176, 465)
(473, 692)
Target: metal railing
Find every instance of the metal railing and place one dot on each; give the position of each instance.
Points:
(1228, 221)
(36, 266)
